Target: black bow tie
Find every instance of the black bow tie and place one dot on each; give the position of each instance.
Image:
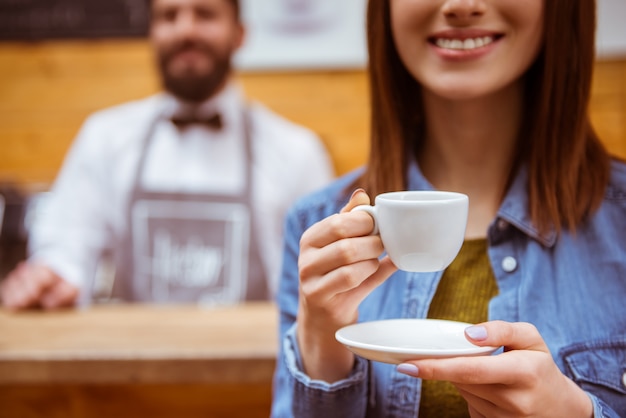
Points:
(213, 121)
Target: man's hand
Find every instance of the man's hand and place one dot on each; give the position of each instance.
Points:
(33, 285)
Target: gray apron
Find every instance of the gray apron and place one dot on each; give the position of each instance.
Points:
(190, 247)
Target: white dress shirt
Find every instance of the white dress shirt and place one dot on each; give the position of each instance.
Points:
(85, 213)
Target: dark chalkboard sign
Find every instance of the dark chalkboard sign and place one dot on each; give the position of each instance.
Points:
(55, 19)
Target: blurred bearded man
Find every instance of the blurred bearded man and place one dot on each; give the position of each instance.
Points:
(187, 188)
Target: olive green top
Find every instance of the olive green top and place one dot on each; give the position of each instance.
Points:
(463, 294)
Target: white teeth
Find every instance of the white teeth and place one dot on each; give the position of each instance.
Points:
(456, 44)
(467, 44)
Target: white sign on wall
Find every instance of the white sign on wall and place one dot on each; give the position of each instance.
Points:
(303, 34)
(611, 35)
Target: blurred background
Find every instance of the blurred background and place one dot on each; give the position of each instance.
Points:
(62, 60)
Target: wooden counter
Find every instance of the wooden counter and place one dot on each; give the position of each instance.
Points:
(138, 360)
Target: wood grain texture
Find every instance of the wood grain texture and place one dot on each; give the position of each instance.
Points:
(138, 361)
(149, 344)
(136, 401)
(48, 89)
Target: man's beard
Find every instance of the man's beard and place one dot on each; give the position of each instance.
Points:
(194, 87)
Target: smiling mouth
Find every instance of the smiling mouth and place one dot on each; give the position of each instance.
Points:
(467, 44)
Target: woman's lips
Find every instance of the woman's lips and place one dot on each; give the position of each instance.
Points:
(463, 45)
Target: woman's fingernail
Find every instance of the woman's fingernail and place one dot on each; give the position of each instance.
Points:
(476, 332)
(408, 368)
(357, 191)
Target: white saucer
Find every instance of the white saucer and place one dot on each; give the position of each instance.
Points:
(398, 340)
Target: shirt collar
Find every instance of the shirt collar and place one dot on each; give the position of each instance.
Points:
(227, 103)
(514, 208)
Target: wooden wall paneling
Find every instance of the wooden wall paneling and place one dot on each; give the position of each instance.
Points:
(334, 104)
(47, 89)
(608, 104)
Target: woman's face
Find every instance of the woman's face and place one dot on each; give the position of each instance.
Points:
(464, 49)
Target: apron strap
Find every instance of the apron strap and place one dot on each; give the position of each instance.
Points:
(126, 282)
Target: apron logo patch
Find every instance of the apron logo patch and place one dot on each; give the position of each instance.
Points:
(189, 264)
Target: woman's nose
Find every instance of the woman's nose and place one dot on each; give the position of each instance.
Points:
(463, 10)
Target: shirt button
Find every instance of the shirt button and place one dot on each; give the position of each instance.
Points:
(502, 225)
(624, 379)
(509, 264)
(412, 308)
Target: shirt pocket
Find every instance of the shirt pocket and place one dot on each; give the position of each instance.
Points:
(599, 367)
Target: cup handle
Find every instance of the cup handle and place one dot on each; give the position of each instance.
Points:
(372, 212)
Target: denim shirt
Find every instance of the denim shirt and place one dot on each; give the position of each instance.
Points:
(572, 287)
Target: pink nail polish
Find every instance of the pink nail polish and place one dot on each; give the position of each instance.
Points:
(477, 333)
(357, 191)
(408, 368)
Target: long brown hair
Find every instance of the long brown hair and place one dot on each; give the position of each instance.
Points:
(568, 167)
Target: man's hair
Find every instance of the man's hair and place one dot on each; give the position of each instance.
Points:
(235, 3)
(558, 146)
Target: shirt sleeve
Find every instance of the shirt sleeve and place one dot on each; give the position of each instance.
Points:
(69, 233)
(295, 393)
(290, 161)
(601, 409)
(317, 167)
(301, 396)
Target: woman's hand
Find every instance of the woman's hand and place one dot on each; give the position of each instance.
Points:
(338, 267)
(523, 381)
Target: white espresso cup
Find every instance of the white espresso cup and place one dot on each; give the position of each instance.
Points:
(421, 231)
